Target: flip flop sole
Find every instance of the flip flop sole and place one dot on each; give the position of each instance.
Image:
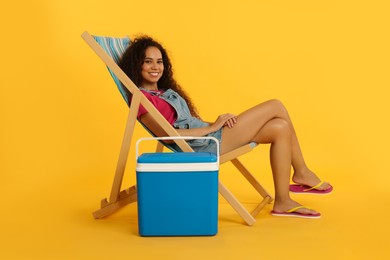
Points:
(295, 214)
(296, 188)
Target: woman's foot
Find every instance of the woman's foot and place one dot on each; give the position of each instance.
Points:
(309, 179)
(293, 208)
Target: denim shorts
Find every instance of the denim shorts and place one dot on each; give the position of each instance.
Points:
(199, 145)
(207, 145)
(203, 145)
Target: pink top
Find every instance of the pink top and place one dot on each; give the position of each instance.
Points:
(164, 107)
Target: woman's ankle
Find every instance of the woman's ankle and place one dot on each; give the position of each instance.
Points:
(309, 179)
(302, 175)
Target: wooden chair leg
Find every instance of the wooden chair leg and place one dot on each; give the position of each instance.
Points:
(259, 207)
(233, 201)
(252, 180)
(125, 197)
(159, 148)
(120, 198)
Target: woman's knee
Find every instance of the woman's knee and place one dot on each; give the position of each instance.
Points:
(274, 130)
(278, 106)
(280, 127)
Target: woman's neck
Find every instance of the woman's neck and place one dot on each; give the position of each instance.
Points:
(150, 86)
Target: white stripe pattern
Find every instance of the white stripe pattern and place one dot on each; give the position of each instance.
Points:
(115, 47)
(177, 167)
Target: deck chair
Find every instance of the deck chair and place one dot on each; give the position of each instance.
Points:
(109, 50)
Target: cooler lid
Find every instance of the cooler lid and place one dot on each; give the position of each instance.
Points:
(177, 162)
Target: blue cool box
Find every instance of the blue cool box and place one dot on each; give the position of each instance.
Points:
(177, 194)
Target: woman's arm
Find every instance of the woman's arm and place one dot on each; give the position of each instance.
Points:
(201, 131)
(223, 120)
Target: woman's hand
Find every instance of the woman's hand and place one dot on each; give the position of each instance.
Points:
(228, 120)
(224, 120)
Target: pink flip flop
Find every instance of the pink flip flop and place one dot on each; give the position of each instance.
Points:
(298, 188)
(292, 213)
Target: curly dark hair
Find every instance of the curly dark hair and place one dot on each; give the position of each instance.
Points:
(133, 58)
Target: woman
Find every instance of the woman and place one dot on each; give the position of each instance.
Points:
(146, 62)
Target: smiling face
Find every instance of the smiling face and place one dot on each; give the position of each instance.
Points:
(152, 68)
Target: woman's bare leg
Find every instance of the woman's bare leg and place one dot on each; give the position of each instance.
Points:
(269, 122)
(277, 132)
(251, 122)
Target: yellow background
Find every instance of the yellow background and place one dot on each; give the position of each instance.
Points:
(62, 122)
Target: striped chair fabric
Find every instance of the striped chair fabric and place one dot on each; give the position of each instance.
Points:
(115, 47)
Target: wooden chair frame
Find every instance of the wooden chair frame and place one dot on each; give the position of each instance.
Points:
(119, 198)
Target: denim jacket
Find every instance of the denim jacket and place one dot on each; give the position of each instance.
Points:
(186, 121)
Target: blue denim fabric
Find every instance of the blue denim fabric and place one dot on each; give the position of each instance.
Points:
(186, 121)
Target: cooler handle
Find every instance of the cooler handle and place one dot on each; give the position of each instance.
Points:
(175, 138)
